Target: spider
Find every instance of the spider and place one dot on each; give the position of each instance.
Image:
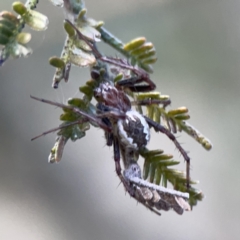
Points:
(128, 131)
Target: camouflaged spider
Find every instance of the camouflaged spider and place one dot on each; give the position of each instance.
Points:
(128, 132)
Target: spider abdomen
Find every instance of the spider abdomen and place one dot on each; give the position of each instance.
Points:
(133, 131)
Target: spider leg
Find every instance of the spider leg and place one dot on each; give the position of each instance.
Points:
(77, 110)
(60, 127)
(141, 76)
(105, 120)
(159, 128)
(113, 115)
(131, 84)
(111, 140)
(148, 101)
(117, 157)
(108, 135)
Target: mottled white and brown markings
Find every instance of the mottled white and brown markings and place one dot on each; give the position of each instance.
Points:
(134, 131)
(155, 196)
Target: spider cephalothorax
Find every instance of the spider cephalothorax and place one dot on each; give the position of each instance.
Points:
(112, 97)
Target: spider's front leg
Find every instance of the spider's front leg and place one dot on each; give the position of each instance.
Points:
(141, 77)
(159, 128)
(87, 117)
(149, 101)
(132, 83)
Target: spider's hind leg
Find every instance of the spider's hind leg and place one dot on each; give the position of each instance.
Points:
(159, 128)
(117, 157)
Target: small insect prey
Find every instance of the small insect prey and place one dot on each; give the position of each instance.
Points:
(153, 196)
(127, 130)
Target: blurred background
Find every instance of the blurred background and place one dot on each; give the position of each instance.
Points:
(198, 48)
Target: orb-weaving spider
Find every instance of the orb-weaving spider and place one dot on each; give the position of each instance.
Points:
(127, 130)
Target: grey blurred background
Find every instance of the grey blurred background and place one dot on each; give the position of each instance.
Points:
(198, 47)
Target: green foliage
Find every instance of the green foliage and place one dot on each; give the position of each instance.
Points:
(157, 169)
(78, 50)
(11, 26)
